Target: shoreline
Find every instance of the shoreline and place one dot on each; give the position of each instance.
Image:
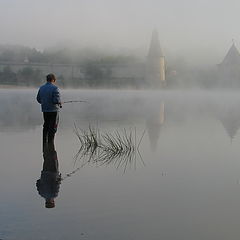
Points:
(17, 87)
(2, 86)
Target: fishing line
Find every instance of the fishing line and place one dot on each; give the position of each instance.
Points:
(75, 101)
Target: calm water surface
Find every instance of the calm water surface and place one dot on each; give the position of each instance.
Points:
(185, 185)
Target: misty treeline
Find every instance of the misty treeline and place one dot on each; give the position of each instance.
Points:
(56, 55)
(26, 66)
(92, 76)
(26, 76)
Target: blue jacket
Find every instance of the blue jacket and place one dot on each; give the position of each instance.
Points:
(49, 97)
(49, 184)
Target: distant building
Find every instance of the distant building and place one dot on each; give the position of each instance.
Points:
(156, 67)
(125, 72)
(26, 60)
(229, 68)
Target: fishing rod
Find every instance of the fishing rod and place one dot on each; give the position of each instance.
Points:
(73, 101)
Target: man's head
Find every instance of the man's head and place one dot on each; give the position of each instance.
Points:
(51, 78)
(50, 203)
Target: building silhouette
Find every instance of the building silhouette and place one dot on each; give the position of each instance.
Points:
(229, 68)
(110, 73)
(155, 65)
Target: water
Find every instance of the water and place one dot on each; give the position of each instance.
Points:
(187, 188)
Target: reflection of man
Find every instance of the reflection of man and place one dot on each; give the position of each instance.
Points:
(49, 98)
(49, 183)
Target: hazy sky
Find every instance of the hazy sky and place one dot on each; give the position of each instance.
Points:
(192, 28)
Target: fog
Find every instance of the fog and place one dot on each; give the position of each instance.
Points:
(200, 31)
(177, 110)
(120, 107)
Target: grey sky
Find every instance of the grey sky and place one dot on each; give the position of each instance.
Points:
(190, 28)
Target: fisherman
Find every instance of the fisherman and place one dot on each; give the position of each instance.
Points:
(49, 98)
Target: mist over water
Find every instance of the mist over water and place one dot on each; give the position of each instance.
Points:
(187, 188)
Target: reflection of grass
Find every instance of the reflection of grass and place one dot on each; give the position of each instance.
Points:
(89, 140)
(117, 148)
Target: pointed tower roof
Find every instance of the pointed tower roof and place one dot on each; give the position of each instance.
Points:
(232, 57)
(155, 50)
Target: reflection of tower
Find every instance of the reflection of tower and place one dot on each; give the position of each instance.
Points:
(154, 123)
(156, 67)
(231, 123)
(230, 119)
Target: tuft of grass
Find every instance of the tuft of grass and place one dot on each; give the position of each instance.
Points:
(119, 148)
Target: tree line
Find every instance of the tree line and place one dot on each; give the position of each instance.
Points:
(17, 53)
(26, 76)
(93, 76)
(178, 74)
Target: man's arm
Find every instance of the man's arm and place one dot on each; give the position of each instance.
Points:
(38, 97)
(56, 97)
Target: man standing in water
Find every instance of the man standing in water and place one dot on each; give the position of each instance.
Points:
(49, 98)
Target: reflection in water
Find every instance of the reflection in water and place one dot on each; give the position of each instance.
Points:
(230, 119)
(197, 198)
(154, 124)
(121, 161)
(120, 149)
(49, 183)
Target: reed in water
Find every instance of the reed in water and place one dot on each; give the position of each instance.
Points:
(119, 148)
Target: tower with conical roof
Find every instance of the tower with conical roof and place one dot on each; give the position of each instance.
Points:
(156, 67)
(229, 68)
(232, 58)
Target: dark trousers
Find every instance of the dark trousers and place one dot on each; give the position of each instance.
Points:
(49, 128)
(50, 162)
